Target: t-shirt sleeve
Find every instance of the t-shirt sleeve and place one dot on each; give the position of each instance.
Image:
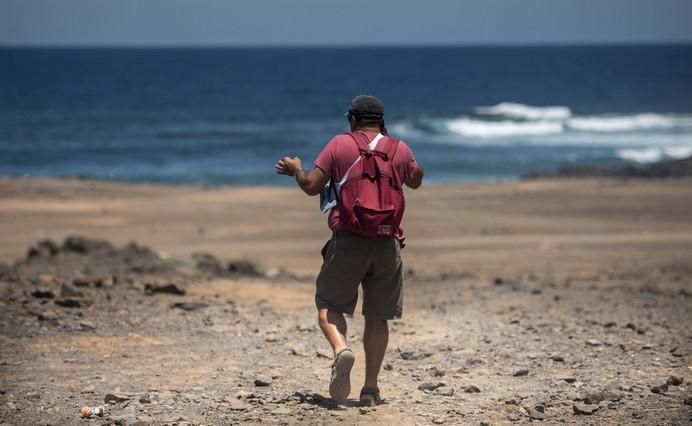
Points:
(325, 159)
(405, 162)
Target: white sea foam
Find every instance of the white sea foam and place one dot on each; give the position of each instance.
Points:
(678, 151)
(492, 129)
(622, 123)
(644, 155)
(526, 112)
(651, 155)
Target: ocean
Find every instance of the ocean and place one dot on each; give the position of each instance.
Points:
(217, 116)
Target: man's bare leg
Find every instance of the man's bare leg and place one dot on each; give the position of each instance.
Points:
(375, 340)
(333, 325)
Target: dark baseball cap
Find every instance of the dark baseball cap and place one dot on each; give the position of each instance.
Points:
(366, 107)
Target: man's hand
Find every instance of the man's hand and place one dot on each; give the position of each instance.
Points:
(288, 166)
(310, 182)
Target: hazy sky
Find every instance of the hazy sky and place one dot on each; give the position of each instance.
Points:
(328, 22)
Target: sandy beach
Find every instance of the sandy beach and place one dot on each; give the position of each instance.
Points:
(584, 284)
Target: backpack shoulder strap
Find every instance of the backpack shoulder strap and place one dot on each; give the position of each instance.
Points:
(360, 139)
(390, 146)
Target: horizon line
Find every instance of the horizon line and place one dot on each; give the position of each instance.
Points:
(352, 46)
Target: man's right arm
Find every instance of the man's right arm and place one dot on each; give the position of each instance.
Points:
(416, 178)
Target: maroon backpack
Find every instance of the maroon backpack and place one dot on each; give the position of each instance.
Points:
(371, 202)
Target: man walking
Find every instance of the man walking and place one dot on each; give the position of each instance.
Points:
(366, 170)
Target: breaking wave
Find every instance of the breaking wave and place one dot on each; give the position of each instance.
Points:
(642, 137)
(652, 155)
(491, 129)
(526, 112)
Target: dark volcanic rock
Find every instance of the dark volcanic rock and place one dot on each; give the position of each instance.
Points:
(207, 263)
(68, 302)
(472, 389)
(245, 268)
(44, 248)
(114, 399)
(6, 271)
(662, 388)
(151, 288)
(537, 412)
(84, 245)
(262, 381)
(141, 259)
(674, 381)
(40, 293)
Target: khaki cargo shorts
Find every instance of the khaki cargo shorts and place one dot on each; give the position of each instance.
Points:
(350, 260)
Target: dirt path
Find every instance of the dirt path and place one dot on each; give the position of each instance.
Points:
(575, 300)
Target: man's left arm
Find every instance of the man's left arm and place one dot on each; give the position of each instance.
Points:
(311, 182)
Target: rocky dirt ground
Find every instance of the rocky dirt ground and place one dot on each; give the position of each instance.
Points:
(206, 341)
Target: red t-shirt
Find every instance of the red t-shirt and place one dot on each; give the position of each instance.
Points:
(340, 153)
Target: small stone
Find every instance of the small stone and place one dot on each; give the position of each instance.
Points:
(321, 353)
(114, 399)
(412, 354)
(429, 387)
(584, 409)
(388, 367)
(81, 282)
(537, 412)
(521, 372)
(593, 342)
(281, 411)
(33, 396)
(674, 381)
(189, 306)
(87, 326)
(150, 289)
(688, 401)
(677, 352)
(438, 420)
(472, 389)
(631, 345)
(68, 302)
(445, 391)
(145, 399)
(66, 290)
(568, 379)
(43, 293)
(262, 381)
(610, 324)
(557, 358)
(659, 389)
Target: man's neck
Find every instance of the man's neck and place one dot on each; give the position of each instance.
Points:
(368, 129)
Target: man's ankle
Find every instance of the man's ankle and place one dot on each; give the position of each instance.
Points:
(370, 384)
(338, 349)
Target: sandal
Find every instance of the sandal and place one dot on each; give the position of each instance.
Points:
(370, 396)
(340, 383)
